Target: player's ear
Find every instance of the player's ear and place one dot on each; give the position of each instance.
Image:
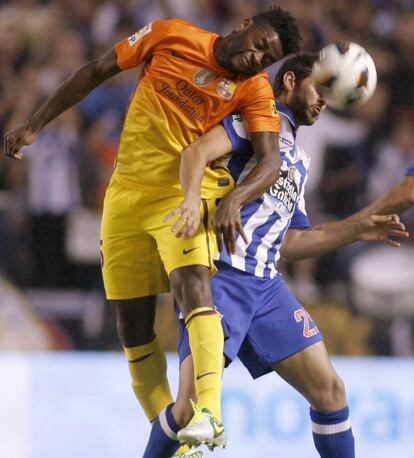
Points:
(289, 81)
(246, 23)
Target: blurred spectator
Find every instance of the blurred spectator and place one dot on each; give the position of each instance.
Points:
(393, 156)
(52, 192)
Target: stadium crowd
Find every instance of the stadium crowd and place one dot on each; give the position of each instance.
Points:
(50, 203)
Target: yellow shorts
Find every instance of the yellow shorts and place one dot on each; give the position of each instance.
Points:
(139, 250)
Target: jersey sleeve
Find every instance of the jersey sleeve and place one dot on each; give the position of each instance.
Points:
(139, 47)
(258, 106)
(235, 129)
(410, 170)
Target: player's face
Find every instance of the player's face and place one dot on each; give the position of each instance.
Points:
(306, 103)
(252, 48)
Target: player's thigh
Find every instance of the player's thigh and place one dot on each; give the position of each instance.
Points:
(311, 373)
(280, 328)
(131, 265)
(135, 320)
(191, 288)
(176, 252)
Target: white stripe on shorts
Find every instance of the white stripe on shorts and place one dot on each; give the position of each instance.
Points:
(331, 429)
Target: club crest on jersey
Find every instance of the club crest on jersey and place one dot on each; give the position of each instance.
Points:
(203, 77)
(226, 88)
(138, 35)
(285, 190)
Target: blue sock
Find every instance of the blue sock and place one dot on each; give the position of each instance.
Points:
(332, 433)
(163, 441)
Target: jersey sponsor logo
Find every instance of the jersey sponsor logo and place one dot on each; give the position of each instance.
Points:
(226, 88)
(185, 90)
(203, 77)
(273, 109)
(133, 39)
(184, 96)
(285, 190)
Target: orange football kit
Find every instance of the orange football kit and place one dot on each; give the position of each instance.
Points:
(182, 92)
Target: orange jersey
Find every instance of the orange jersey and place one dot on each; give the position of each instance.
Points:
(182, 92)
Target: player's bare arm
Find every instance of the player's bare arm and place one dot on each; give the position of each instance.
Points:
(300, 244)
(396, 200)
(69, 93)
(195, 158)
(226, 221)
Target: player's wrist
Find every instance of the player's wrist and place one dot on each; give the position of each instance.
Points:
(192, 195)
(357, 230)
(233, 200)
(33, 126)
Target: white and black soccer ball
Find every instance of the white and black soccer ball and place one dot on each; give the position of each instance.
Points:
(345, 74)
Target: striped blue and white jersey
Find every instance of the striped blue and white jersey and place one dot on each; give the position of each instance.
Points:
(266, 219)
(410, 170)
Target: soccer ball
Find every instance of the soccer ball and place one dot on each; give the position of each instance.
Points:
(345, 75)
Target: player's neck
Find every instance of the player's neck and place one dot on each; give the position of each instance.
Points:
(219, 52)
(284, 99)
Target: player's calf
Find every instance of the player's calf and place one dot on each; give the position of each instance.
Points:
(191, 288)
(328, 393)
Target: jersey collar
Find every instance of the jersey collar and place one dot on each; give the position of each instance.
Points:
(282, 108)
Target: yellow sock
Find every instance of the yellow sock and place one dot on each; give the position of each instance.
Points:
(148, 369)
(206, 343)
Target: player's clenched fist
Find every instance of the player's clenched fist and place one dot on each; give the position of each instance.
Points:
(14, 141)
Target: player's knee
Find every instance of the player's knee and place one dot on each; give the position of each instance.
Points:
(330, 394)
(135, 320)
(191, 287)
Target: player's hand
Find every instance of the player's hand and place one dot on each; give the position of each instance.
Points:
(189, 217)
(227, 223)
(382, 228)
(14, 140)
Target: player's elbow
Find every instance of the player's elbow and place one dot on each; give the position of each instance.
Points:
(287, 254)
(103, 67)
(406, 193)
(195, 153)
(410, 197)
(408, 200)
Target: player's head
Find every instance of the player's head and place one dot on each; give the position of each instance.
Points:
(259, 42)
(295, 87)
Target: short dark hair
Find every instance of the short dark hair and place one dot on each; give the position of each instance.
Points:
(299, 64)
(285, 25)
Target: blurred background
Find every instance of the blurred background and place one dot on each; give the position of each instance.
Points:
(51, 295)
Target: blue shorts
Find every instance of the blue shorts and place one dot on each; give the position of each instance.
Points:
(263, 322)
